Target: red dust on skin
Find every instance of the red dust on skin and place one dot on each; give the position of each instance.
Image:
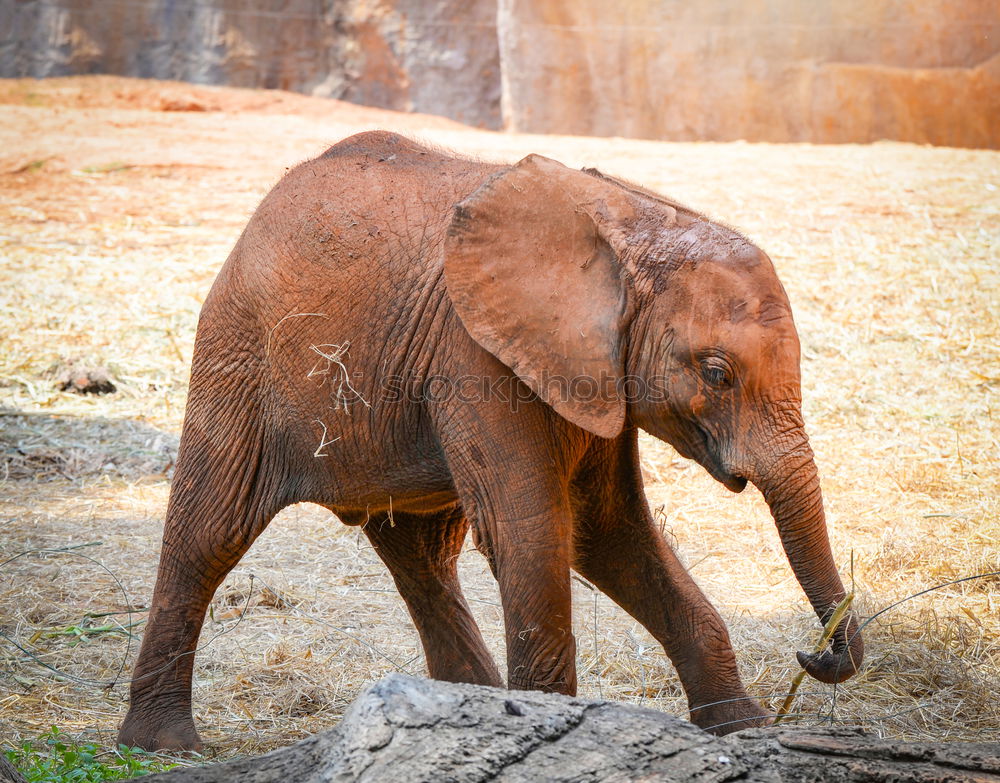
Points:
(698, 404)
(431, 266)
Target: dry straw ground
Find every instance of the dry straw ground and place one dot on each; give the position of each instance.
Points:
(119, 200)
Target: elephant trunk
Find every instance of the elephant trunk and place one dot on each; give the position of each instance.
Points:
(791, 489)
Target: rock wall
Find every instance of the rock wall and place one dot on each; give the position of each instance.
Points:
(762, 70)
(926, 71)
(433, 56)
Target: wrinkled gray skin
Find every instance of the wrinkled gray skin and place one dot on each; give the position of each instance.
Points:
(382, 261)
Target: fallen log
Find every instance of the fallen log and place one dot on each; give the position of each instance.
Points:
(8, 773)
(410, 729)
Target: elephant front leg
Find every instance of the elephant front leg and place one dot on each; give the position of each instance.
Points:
(532, 567)
(637, 570)
(516, 498)
(619, 549)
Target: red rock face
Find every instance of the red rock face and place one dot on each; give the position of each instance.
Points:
(926, 71)
(761, 70)
(437, 57)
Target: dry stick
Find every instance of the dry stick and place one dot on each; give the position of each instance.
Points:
(831, 626)
(836, 691)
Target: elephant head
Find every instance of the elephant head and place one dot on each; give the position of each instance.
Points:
(622, 309)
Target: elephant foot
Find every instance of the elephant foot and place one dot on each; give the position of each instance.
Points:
(730, 716)
(153, 733)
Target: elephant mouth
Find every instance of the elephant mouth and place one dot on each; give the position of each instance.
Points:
(713, 463)
(730, 481)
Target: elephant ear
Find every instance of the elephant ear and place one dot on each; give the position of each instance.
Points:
(532, 276)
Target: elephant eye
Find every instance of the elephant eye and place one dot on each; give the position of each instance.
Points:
(716, 373)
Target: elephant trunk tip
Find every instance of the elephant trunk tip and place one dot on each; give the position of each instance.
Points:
(828, 666)
(843, 658)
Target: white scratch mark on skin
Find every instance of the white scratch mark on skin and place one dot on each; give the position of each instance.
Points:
(323, 442)
(341, 380)
(267, 347)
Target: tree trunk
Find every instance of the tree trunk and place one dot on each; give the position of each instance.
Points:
(409, 729)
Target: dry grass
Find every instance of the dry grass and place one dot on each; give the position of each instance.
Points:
(114, 218)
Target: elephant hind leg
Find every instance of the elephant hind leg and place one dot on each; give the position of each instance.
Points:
(225, 491)
(421, 552)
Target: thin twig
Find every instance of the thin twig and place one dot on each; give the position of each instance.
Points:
(831, 626)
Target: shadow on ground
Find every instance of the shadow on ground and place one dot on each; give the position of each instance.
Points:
(43, 447)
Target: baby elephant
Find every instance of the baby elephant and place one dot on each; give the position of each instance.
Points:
(422, 344)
